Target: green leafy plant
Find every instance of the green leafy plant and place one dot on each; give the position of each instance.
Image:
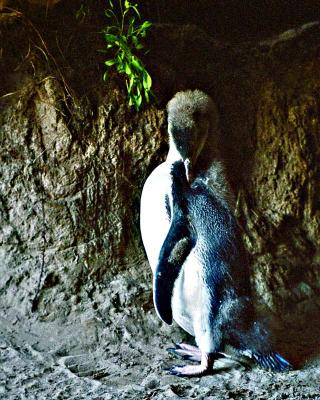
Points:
(123, 35)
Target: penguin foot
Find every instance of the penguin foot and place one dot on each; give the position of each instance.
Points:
(204, 368)
(189, 371)
(186, 351)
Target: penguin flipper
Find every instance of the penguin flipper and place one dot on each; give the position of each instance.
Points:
(174, 251)
(176, 247)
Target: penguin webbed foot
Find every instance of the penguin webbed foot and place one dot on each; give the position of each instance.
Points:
(186, 351)
(189, 370)
(192, 353)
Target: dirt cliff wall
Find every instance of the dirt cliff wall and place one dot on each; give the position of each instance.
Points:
(74, 159)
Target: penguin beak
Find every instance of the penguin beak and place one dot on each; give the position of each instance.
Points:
(188, 167)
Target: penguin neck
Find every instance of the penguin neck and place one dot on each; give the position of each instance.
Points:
(173, 154)
(208, 155)
(204, 160)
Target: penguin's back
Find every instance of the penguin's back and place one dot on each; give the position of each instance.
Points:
(218, 238)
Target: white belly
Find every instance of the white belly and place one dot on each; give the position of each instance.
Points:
(191, 304)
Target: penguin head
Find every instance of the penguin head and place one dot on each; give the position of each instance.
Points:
(192, 116)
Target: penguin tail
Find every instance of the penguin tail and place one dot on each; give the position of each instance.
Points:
(272, 361)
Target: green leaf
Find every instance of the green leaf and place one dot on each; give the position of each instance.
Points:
(131, 83)
(143, 28)
(146, 25)
(134, 39)
(123, 39)
(137, 63)
(120, 57)
(120, 68)
(109, 63)
(111, 38)
(139, 101)
(105, 76)
(147, 81)
(136, 43)
(127, 69)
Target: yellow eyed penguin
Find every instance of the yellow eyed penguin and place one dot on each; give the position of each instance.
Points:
(194, 245)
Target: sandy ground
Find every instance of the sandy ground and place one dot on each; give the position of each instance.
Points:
(77, 359)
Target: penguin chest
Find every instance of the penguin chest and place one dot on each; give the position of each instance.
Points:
(190, 298)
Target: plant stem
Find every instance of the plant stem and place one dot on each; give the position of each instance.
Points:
(123, 16)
